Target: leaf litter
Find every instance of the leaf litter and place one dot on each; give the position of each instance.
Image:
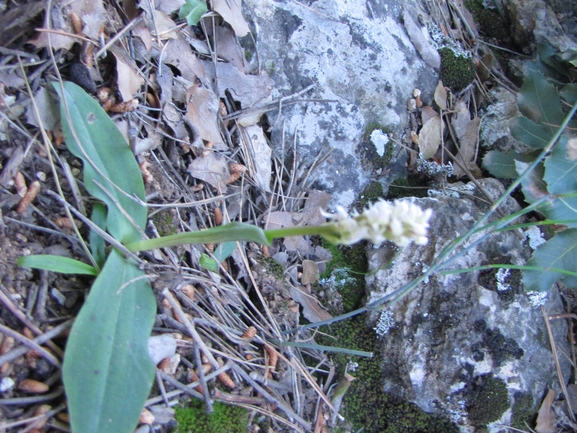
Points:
(160, 90)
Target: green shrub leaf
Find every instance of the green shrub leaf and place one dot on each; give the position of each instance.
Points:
(530, 133)
(107, 371)
(64, 265)
(91, 135)
(560, 252)
(569, 93)
(539, 101)
(192, 10)
(501, 165)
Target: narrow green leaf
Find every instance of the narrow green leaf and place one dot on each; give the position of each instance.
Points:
(539, 101)
(227, 233)
(208, 263)
(558, 252)
(97, 244)
(64, 265)
(108, 161)
(107, 371)
(569, 93)
(192, 10)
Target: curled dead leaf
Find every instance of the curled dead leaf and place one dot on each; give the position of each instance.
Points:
(441, 96)
(430, 137)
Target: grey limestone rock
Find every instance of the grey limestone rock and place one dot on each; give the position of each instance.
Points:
(359, 55)
(461, 344)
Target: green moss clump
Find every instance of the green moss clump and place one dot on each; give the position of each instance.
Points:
(346, 271)
(370, 194)
(224, 419)
(365, 404)
(412, 186)
(164, 223)
(457, 72)
(492, 21)
(274, 267)
(488, 401)
(524, 411)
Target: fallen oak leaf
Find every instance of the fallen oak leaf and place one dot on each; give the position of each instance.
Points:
(430, 137)
(231, 12)
(546, 417)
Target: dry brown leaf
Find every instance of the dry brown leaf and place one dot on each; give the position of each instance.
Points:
(460, 119)
(430, 137)
(468, 143)
(177, 53)
(47, 108)
(201, 109)
(427, 112)
(546, 417)
(231, 12)
(129, 80)
(312, 310)
(173, 118)
(310, 215)
(229, 49)
(165, 26)
(169, 6)
(310, 272)
(211, 168)
(246, 89)
(93, 16)
(143, 33)
(441, 96)
(261, 156)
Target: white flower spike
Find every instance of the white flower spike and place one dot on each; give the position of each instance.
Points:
(399, 222)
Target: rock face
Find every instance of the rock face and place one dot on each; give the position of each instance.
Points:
(360, 56)
(471, 346)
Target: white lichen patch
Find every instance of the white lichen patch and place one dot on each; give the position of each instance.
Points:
(339, 278)
(537, 299)
(535, 237)
(501, 277)
(380, 140)
(385, 323)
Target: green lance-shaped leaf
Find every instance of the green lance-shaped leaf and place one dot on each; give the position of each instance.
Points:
(560, 252)
(111, 173)
(96, 242)
(539, 101)
(234, 231)
(107, 371)
(64, 265)
(192, 10)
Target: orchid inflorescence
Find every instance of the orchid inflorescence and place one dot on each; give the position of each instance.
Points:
(399, 222)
